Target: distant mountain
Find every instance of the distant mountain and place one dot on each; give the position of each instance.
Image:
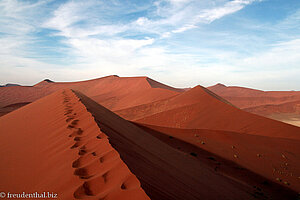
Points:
(9, 85)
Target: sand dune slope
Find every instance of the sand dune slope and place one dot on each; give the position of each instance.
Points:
(112, 91)
(54, 145)
(165, 172)
(246, 97)
(276, 159)
(189, 97)
(286, 112)
(199, 109)
(278, 105)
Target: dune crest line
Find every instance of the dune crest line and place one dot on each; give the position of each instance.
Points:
(98, 164)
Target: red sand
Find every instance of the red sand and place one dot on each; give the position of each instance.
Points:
(276, 159)
(166, 173)
(77, 148)
(55, 145)
(246, 97)
(113, 92)
(266, 110)
(198, 109)
(52, 145)
(279, 105)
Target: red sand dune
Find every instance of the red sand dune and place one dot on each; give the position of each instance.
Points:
(55, 145)
(199, 109)
(113, 92)
(166, 173)
(12, 107)
(286, 112)
(290, 107)
(278, 105)
(190, 97)
(239, 95)
(276, 159)
(68, 144)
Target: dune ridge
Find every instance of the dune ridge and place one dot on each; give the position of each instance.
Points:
(62, 151)
(113, 92)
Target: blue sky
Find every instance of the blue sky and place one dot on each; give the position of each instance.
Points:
(183, 43)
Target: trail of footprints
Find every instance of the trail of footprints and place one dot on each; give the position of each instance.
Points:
(99, 166)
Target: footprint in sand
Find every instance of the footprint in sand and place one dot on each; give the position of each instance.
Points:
(82, 152)
(73, 124)
(69, 118)
(82, 160)
(99, 184)
(69, 111)
(92, 187)
(77, 132)
(90, 165)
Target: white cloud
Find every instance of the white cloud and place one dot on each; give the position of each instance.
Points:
(66, 15)
(184, 28)
(13, 19)
(210, 15)
(142, 21)
(183, 15)
(171, 16)
(18, 20)
(280, 55)
(92, 48)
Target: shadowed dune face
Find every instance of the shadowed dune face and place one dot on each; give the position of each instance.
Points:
(278, 105)
(275, 159)
(12, 107)
(113, 92)
(55, 145)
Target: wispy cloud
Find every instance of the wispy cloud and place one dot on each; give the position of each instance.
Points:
(210, 15)
(84, 34)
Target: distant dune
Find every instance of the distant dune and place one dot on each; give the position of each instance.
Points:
(198, 109)
(279, 105)
(113, 92)
(119, 93)
(135, 138)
